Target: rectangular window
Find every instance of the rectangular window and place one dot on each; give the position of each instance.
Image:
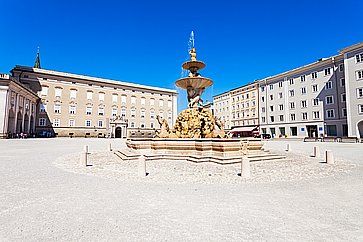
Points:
(281, 117)
(360, 109)
(281, 107)
(123, 100)
(161, 102)
(342, 82)
(271, 87)
(343, 97)
(170, 104)
(133, 113)
(56, 122)
(271, 97)
(280, 84)
(57, 108)
(88, 123)
(262, 90)
(302, 78)
(123, 112)
(43, 108)
(73, 93)
(304, 104)
(292, 105)
(304, 116)
(272, 119)
(360, 92)
(101, 111)
(88, 110)
(114, 112)
(329, 85)
(291, 81)
(42, 122)
(71, 123)
(359, 58)
(271, 108)
(316, 114)
(101, 96)
(359, 75)
(341, 67)
(292, 93)
(330, 113)
(263, 119)
(263, 109)
(72, 109)
(329, 99)
(58, 92)
(280, 95)
(142, 113)
(44, 91)
(142, 101)
(100, 123)
(292, 117)
(315, 101)
(133, 100)
(344, 112)
(262, 99)
(89, 95)
(114, 98)
(315, 88)
(303, 90)
(314, 75)
(327, 71)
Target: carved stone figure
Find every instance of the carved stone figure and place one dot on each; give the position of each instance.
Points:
(164, 128)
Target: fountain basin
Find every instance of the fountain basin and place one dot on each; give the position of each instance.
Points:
(193, 65)
(195, 82)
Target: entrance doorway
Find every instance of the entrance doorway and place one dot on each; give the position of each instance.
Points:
(360, 129)
(312, 131)
(118, 132)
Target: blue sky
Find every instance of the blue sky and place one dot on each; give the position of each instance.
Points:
(146, 41)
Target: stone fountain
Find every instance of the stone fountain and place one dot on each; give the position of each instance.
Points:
(197, 135)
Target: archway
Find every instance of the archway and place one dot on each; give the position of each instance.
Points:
(11, 122)
(360, 129)
(26, 122)
(19, 123)
(118, 132)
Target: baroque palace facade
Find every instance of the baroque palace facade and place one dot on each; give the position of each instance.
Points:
(324, 98)
(53, 103)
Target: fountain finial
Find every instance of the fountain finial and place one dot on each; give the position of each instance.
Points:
(193, 54)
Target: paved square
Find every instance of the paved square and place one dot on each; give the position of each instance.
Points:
(40, 201)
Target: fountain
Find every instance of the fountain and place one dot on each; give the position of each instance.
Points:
(197, 135)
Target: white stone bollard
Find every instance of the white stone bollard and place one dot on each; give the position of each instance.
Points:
(329, 158)
(287, 147)
(316, 152)
(84, 156)
(142, 166)
(245, 167)
(109, 147)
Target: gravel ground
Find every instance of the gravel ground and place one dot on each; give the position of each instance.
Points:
(295, 167)
(43, 197)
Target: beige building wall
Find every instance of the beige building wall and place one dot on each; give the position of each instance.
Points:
(17, 108)
(238, 107)
(77, 105)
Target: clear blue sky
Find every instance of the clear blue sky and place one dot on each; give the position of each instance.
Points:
(146, 41)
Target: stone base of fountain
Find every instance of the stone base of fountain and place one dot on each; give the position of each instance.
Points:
(221, 151)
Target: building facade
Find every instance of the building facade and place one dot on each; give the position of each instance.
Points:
(84, 106)
(353, 68)
(307, 101)
(18, 106)
(320, 99)
(238, 107)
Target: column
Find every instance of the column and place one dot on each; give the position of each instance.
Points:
(23, 118)
(16, 113)
(29, 114)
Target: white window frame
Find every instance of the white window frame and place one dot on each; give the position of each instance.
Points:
(342, 99)
(101, 109)
(42, 122)
(73, 93)
(44, 91)
(316, 115)
(360, 108)
(56, 122)
(72, 109)
(86, 123)
(89, 95)
(303, 116)
(59, 109)
(344, 112)
(315, 88)
(327, 71)
(101, 96)
(58, 92)
(292, 117)
(359, 75)
(329, 85)
(359, 58)
(326, 100)
(100, 123)
(114, 98)
(341, 82)
(314, 75)
(359, 92)
(317, 104)
(72, 123)
(292, 105)
(303, 90)
(330, 111)
(341, 67)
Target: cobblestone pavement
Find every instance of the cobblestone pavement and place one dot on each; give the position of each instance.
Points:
(41, 200)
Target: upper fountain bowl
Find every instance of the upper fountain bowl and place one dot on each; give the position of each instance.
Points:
(193, 65)
(195, 82)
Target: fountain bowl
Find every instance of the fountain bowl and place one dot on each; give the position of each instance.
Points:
(195, 82)
(193, 64)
